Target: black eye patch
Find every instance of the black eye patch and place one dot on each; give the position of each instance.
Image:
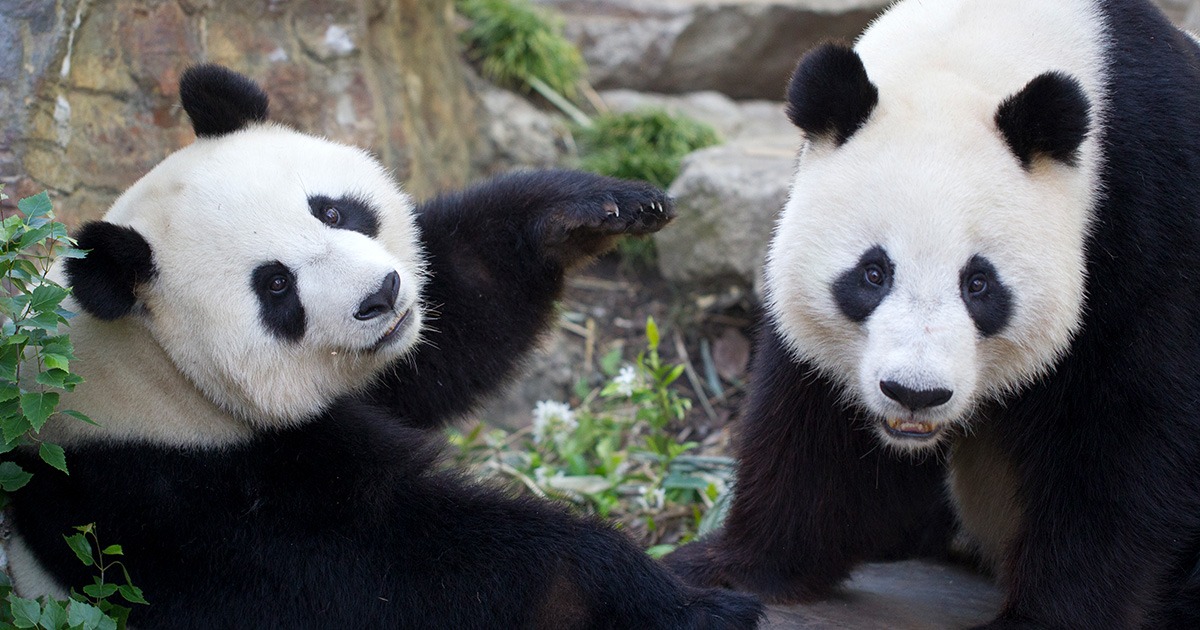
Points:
(278, 300)
(989, 302)
(345, 213)
(860, 289)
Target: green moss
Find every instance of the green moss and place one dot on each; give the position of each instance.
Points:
(516, 43)
(648, 144)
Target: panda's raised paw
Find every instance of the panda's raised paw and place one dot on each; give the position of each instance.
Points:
(590, 221)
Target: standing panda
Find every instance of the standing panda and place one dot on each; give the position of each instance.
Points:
(268, 330)
(988, 272)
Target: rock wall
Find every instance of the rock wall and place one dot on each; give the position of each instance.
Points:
(91, 86)
(741, 48)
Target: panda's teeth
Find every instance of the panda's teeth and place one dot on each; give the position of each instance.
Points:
(910, 426)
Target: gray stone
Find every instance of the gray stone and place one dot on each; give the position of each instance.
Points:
(896, 596)
(728, 198)
(742, 48)
(518, 135)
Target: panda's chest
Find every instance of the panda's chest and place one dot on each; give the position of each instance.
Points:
(983, 484)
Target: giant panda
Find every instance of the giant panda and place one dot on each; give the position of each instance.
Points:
(982, 310)
(268, 330)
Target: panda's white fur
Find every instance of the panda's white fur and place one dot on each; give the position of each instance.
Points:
(233, 200)
(931, 180)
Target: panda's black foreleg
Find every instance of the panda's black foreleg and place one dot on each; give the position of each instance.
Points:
(1107, 537)
(816, 493)
(497, 254)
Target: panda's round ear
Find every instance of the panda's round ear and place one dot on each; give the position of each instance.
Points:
(830, 95)
(1049, 117)
(220, 101)
(105, 281)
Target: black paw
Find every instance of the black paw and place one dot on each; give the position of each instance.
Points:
(719, 609)
(696, 564)
(594, 212)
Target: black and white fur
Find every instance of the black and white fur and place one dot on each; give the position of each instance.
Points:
(268, 330)
(985, 274)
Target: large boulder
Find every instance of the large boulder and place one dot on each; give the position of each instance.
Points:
(1186, 13)
(91, 88)
(729, 195)
(741, 48)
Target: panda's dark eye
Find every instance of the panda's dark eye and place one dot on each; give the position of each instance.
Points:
(278, 285)
(874, 275)
(977, 285)
(331, 216)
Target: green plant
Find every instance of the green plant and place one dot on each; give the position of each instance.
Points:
(34, 357)
(520, 46)
(92, 610)
(34, 361)
(647, 144)
(613, 454)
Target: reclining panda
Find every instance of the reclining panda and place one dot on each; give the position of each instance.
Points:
(990, 256)
(268, 331)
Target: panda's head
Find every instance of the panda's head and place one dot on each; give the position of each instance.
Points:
(277, 270)
(930, 257)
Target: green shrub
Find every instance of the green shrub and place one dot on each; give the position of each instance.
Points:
(648, 144)
(613, 454)
(518, 45)
(30, 341)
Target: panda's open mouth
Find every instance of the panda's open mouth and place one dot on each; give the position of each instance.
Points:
(393, 331)
(907, 428)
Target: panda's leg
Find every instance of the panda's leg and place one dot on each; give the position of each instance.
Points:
(498, 252)
(488, 560)
(815, 494)
(1107, 538)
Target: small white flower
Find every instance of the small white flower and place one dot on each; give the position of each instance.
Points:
(625, 380)
(552, 417)
(652, 499)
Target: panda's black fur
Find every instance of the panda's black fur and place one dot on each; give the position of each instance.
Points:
(1105, 447)
(348, 519)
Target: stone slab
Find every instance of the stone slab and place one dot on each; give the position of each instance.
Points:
(898, 596)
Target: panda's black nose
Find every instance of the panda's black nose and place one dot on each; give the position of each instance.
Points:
(914, 399)
(381, 301)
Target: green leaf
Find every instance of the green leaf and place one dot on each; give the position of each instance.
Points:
(99, 591)
(38, 406)
(25, 612)
(54, 616)
(9, 391)
(610, 363)
(658, 551)
(36, 206)
(674, 374)
(83, 614)
(35, 236)
(82, 548)
(48, 321)
(53, 454)
(14, 425)
(10, 358)
(55, 362)
(133, 594)
(13, 477)
(46, 297)
(113, 550)
(71, 413)
(652, 333)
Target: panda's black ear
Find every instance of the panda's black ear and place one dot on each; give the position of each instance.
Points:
(830, 94)
(105, 281)
(1049, 117)
(220, 101)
